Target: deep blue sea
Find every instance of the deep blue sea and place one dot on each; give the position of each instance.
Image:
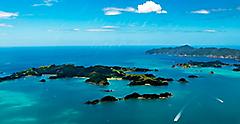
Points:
(27, 101)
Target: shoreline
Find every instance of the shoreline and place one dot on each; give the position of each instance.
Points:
(110, 79)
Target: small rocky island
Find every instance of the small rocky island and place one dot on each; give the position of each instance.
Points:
(214, 64)
(237, 69)
(189, 51)
(98, 75)
(135, 95)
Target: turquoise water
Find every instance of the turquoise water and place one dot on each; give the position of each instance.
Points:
(26, 101)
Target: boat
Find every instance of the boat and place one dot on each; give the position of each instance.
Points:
(178, 116)
(221, 101)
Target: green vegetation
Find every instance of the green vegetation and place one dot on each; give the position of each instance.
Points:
(214, 64)
(130, 96)
(96, 74)
(187, 50)
(146, 79)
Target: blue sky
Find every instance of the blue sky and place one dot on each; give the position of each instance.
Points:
(119, 22)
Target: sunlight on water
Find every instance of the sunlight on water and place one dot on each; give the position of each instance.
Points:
(218, 71)
(27, 101)
(23, 120)
(15, 100)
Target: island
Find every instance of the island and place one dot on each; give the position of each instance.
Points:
(237, 69)
(97, 75)
(190, 51)
(146, 79)
(214, 64)
(193, 76)
(182, 80)
(42, 80)
(134, 95)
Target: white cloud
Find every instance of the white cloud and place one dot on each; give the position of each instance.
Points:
(5, 25)
(149, 7)
(146, 7)
(76, 29)
(128, 9)
(110, 27)
(100, 30)
(64, 30)
(210, 31)
(202, 11)
(46, 3)
(6, 15)
(105, 28)
(117, 11)
(112, 13)
(220, 10)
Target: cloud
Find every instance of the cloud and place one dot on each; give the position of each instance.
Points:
(205, 12)
(110, 27)
(5, 25)
(147, 7)
(107, 28)
(202, 11)
(128, 9)
(117, 11)
(112, 13)
(64, 30)
(99, 30)
(210, 31)
(220, 10)
(6, 15)
(46, 3)
(76, 29)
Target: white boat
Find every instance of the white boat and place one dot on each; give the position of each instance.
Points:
(178, 116)
(221, 101)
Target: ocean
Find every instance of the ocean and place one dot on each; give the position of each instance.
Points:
(27, 101)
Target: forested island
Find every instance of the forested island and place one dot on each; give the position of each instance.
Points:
(135, 96)
(98, 75)
(212, 64)
(190, 51)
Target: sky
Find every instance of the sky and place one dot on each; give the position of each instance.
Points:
(119, 22)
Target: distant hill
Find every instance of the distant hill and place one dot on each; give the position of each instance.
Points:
(187, 50)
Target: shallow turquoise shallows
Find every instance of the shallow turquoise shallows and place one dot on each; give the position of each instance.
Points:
(27, 101)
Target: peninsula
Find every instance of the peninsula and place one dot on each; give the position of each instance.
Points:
(189, 51)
